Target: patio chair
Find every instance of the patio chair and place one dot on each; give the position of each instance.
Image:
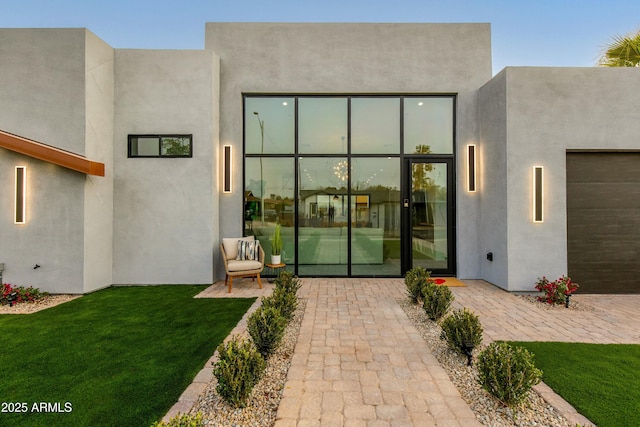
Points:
(236, 267)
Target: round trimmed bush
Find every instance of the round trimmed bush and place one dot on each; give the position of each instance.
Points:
(283, 300)
(415, 279)
(437, 300)
(287, 281)
(461, 329)
(238, 369)
(507, 372)
(266, 326)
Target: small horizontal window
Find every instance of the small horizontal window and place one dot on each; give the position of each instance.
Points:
(160, 145)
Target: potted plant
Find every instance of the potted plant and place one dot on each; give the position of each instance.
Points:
(276, 245)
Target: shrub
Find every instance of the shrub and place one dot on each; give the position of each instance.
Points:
(182, 420)
(238, 369)
(266, 327)
(462, 329)
(23, 294)
(415, 280)
(437, 300)
(287, 281)
(556, 292)
(282, 300)
(507, 372)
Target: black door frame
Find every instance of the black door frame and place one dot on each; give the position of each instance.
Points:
(407, 208)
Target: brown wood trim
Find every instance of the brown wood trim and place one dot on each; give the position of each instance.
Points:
(44, 152)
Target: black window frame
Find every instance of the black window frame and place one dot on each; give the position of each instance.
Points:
(450, 159)
(160, 137)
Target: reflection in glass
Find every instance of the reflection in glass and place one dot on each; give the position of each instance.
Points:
(429, 215)
(322, 125)
(375, 125)
(375, 217)
(322, 218)
(178, 146)
(270, 201)
(271, 130)
(428, 125)
(348, 200)
(142, 146)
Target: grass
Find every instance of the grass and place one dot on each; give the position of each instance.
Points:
(599, 380)
(120, 356)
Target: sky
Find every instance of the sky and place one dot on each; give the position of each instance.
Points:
(562, 33)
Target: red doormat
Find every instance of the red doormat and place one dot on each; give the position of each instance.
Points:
(448, 281)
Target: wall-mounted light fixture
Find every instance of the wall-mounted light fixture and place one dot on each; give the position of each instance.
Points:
(20, 207)
(226, 187)
(471, 168)
(538, 196)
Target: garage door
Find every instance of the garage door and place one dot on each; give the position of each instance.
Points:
(603, 221)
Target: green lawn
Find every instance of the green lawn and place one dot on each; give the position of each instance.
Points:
(121, 356)
(601, 381)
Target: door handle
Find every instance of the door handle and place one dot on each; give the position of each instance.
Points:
(406, 203)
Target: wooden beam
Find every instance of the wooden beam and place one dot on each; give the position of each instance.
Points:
(50, 154)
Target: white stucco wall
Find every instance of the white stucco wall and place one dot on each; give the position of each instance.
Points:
(98, 191)
(151, 221)
(163, 207)
(42, 97)
(492, 181)
(42, 85)
(354, 58)
(548, 112)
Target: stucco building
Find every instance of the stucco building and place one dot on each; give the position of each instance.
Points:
(377, 147)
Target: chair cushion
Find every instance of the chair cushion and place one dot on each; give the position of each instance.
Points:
(248, 250)
(231, 245)
(234, 265)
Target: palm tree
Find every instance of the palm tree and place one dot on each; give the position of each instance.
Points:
(623, 51)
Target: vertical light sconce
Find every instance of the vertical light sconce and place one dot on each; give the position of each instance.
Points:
(471, 168)
(20, 207)
(538, 200)
(226, 187)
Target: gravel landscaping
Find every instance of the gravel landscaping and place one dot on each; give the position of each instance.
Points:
(32, 307)
(263, 404)
(488, 410)
(573, 305)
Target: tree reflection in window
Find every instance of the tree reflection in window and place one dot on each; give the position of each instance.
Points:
(178, 146)
(160, 145)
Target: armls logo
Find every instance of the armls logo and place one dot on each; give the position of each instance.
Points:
(50, 407)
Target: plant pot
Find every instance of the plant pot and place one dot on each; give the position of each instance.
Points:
(275, 259)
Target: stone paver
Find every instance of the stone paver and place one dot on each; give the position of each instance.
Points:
(242, 288)
(615, 319)
(359, 361)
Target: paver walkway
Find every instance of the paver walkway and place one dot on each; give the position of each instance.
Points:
(614, 319)
(359, 361)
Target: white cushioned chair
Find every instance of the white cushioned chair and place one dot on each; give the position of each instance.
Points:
(240, 268)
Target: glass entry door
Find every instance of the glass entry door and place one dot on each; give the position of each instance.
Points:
(429, 222)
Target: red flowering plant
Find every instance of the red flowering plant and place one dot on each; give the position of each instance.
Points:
(556, 292)
(17, 294)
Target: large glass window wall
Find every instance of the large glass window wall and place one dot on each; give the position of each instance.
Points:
(328, 169)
